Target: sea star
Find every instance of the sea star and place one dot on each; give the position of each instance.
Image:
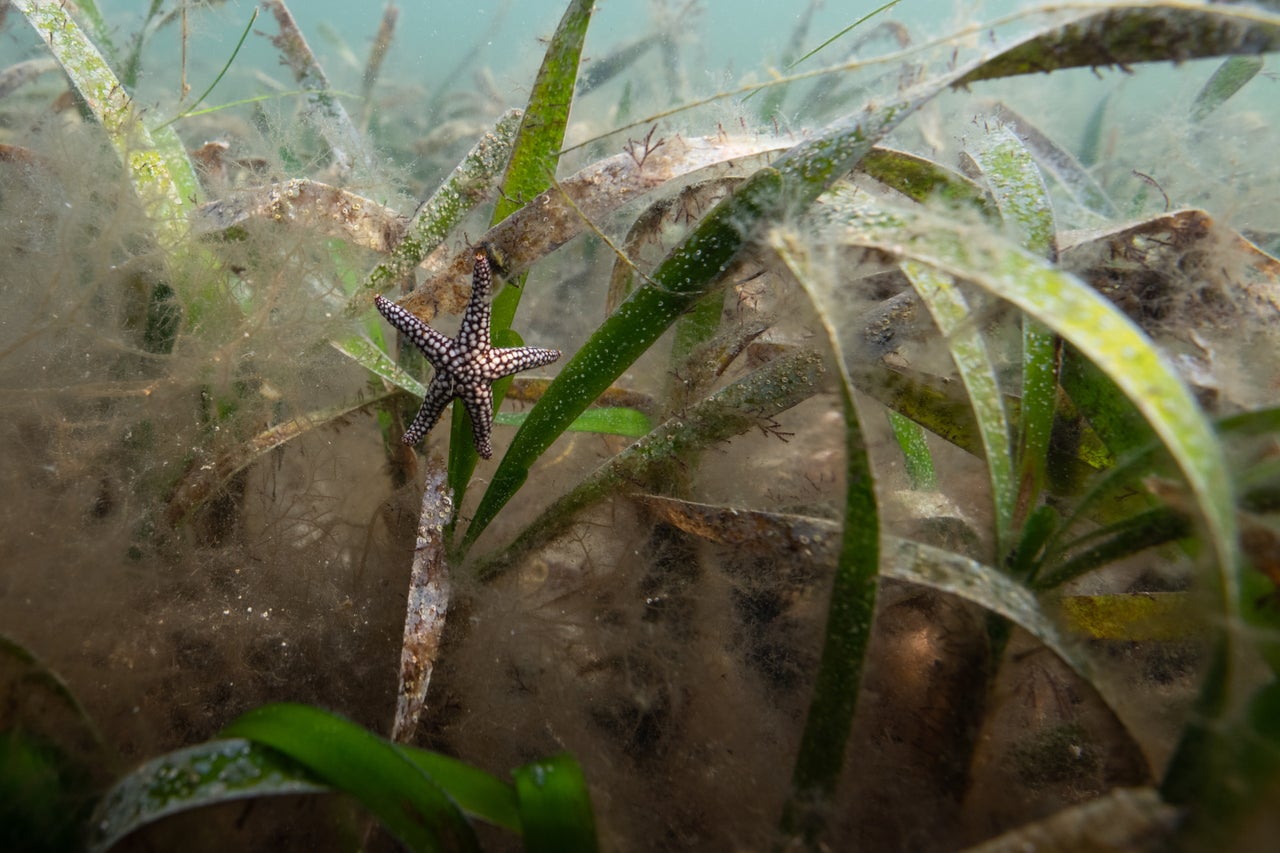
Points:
(466, 366)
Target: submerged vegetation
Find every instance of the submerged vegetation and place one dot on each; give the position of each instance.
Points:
(909, 480)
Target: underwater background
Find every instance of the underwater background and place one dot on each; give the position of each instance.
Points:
(908, 479)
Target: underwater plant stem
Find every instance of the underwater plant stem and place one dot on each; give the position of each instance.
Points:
(377, 55)
(428, 602)
(216, 80)
(884, 8)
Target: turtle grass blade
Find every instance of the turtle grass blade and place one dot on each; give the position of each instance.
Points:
(468, 184)
(915, 452)
(220, 771)
(1065, 168)
(535, 155)
(923, 179)
(1122, 35)
(368, 355)
(1231, 76)
(408, 802)
(328, 116)
(951, 313)
(555, 806)
(537, 146)
(806, 171)
(613, 420)
(43, 688)
(204, 482)
(1023, 201)
(214, 772)
(851, 609)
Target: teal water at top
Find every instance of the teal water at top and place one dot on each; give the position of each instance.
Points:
(722, 42)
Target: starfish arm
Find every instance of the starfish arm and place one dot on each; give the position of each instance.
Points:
(434, 345)
(439, 393)
(478, 399)
(473, 333)
(505, 361)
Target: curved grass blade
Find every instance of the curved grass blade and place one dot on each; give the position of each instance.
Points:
(221, 771)
(1122, 819)
(1023, 201)
(1156, 32)
(1256, 491)
(570, 206)
(1020, 195)
(1058, 161)
(204, 482)
(1103, 404)
(320, 207)
(411, 805)
(762, 533)
(1230, 78)
(367, 354)
(38, 674)
(806, 171)
(555, 806)
(1107, 338)
(476, 792)
(535, 156)
(951, 313)
(1115, 542)
(903, 559)
(214, 772)
(922, 179)
(851, 610)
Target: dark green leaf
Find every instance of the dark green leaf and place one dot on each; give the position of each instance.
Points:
(631, 423)
(555, 806)
(1123, 35)
(411, 805)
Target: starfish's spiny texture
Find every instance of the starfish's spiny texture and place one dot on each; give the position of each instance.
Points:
(466, 366)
